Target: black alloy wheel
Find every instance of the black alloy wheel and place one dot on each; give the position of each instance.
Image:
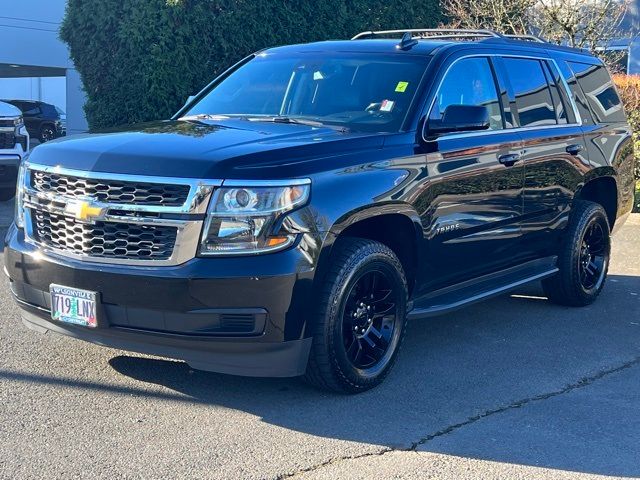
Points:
(583, 257)
(360, 318)
(593, 256)
(47, 134)
(369, 319)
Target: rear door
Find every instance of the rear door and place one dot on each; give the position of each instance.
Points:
(607, 133)
(554, 153)
(471, 202)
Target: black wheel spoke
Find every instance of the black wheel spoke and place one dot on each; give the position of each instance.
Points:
(374, 282)
(593, 253)
(369, 319)
(369, 341)
(379, 299)
(358, 355)
(375, 332)
(591, 268)
(353, 348)
(381, 312)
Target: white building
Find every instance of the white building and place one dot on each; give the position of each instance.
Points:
(34, 62)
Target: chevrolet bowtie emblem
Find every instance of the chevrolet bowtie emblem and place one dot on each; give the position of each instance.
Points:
(85, 211)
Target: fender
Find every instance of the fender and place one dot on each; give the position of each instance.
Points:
(355, 216)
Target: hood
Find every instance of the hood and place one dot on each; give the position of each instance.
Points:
(231, 148)
(9, 111)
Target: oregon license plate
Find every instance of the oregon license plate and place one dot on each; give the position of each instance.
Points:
(72, 305)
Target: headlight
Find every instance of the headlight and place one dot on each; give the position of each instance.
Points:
(244, 219)
(19, 201)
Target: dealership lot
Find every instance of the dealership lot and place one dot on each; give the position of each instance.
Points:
(514, 387)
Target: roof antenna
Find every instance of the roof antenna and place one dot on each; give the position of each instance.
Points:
(407, 42)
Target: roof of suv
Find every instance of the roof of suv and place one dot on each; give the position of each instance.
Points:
(372, 46)
(376, 42)
(39, 102)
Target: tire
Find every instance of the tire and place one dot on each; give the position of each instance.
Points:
(47, 133)
(342, 357)
(7, 193)
(583, 259)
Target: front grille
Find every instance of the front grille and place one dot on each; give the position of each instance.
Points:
(111, 191)
(104, 239)
(8, 122)
(7, 140)
(107, 218)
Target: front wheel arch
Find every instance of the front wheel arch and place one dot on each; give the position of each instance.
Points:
(398, 227)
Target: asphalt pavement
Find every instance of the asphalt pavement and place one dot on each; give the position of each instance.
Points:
(515, 387)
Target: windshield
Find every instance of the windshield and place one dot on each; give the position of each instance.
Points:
(367, 92)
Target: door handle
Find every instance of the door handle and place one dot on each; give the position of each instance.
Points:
(510, 159)
(574, 149)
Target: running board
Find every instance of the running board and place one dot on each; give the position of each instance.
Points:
(460, 295)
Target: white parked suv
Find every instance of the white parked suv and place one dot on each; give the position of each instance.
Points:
(14, 144)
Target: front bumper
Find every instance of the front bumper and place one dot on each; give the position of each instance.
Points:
(242, 316)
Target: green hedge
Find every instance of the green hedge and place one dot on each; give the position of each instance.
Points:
(140, 59)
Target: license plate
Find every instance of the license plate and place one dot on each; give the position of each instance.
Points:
(72, 305)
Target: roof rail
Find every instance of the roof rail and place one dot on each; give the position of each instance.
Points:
(529, 38)
(431, 33)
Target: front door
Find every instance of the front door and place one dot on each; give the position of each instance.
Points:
(471, 200)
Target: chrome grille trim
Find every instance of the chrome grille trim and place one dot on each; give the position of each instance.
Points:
(187, 217)
(110, 191)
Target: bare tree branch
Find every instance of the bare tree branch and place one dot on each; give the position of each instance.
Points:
(590, 24)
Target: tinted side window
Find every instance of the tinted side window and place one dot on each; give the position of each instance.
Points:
(600, 92)
(49, 110)
(469, 81)
(533, 97)
(30, 109)
(558, 102)
(578, 96)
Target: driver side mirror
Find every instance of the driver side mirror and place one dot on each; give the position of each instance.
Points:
(460, 118)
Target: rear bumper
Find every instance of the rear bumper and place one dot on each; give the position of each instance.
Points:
(241, 316)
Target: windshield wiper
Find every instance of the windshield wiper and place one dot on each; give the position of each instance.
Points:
(205, 116)
(284, 119)
(297, 121)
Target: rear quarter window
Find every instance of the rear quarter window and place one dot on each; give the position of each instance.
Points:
(600, 92)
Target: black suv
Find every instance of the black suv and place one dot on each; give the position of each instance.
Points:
(43, 120)
(293, 215)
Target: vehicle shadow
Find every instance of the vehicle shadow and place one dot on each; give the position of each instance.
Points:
(506, 355)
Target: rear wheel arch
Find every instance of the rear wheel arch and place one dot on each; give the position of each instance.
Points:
(602, 190)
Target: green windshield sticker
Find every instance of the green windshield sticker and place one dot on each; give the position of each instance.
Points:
(402, 87)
